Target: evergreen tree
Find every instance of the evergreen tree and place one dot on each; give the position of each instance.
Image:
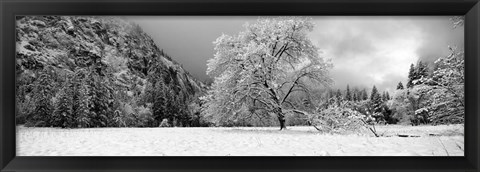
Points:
(159, 102)
(356, 94)
(72, 105)
(421, 71)
(171, 110)
(338, 94)
(101, 99)
(416, 73)
(411, 76)
(376, 104)
(400, 86)
(374, 93)
(384, 96)
(43, 90)
(348, 94)
(63, 112)
(83, 102)
(364, 94)
(180, 110)
(148, 96)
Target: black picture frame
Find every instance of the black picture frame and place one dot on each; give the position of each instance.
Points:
(10, 8)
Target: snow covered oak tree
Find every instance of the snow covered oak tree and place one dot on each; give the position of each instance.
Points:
(256, 71)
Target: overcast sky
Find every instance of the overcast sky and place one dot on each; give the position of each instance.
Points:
(365, 51)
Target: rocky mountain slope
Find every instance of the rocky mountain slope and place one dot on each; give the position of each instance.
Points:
(109, 44)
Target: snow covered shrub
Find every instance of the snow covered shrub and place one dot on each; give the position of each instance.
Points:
(402, 107)
(338, 118)
(144, 117)
(118, 120)
(164, 123)
(124, 116)
(129, 115)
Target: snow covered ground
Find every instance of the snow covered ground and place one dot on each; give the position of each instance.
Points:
(265, 141)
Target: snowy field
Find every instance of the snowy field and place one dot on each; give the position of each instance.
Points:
(265, 141)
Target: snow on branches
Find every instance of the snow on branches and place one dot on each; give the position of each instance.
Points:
(259, 68)
(445, 87)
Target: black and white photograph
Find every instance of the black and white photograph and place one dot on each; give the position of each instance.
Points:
(240, 86)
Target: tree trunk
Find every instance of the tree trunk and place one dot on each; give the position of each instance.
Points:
(281, 119)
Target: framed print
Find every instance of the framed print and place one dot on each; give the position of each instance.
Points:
(235, 86)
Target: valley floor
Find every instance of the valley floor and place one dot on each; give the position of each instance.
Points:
(239, 141)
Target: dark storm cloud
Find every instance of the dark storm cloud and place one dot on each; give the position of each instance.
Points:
(439, 35)
(369, 51)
